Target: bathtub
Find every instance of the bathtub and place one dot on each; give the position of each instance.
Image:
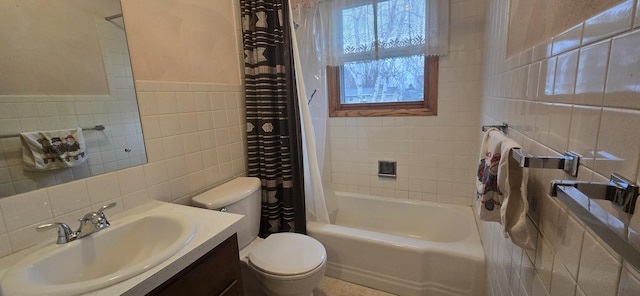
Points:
(403, 247)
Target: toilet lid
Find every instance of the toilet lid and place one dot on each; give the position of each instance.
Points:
(288, 254)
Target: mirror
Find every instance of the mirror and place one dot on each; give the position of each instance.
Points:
(65, 64)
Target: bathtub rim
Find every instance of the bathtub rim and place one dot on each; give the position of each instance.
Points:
(410, 243)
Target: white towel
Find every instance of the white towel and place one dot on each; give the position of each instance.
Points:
(489, 197)
(502, 188)
(49, 150)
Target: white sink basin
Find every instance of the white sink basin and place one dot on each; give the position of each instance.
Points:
(130, 246)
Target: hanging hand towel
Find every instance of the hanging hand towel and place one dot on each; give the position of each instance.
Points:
(512, 179)
(49, 150)
(488, 196)
(502, 188)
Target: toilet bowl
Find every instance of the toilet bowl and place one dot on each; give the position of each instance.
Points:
(286, 264)
(283, 264)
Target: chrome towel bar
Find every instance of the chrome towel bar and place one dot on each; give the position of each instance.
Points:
(620, 191)
(613, 223)
(569, 162)
(98, 127)
(503, 127)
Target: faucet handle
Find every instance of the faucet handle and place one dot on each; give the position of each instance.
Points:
(107, 206)
(105, 222)
(65, 234)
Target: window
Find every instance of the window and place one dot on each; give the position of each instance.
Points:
(379, 62)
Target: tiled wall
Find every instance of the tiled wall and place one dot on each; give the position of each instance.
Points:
(434, 154)
(195, 139)
(578, 91)
(117, 111)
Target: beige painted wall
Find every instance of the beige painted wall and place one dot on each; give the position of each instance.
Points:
(183, 40)
(52, 47)
(534, 21)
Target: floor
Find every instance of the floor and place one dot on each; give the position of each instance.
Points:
(334, 287)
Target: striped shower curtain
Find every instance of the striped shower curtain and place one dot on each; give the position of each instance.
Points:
(273, 133)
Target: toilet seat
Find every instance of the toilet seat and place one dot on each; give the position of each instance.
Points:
(287, 254)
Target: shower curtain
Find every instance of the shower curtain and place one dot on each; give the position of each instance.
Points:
(310, 78)
(273, 126)
(316, 46)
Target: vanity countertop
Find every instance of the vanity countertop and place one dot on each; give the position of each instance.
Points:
(213, 228)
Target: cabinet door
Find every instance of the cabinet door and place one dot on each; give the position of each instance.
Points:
(215, 273)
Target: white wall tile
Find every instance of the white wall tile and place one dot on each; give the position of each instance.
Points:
(173, 146)
(624, 68)
(542, 113)
(166, 102)
(71, 218)
(103, 188)
(188, 122)
(3, 228)
(592, 70)
(565, 77)
(599, 271)
(205, 120)
(546, 80)
(186, 101)
(147, 103)
(542, 50)
(170, 124)
(617, 142)
(539, 288)
(568, 40)
(608, 23)
(559, 124)
(25, 209)
(532, 83)
(69, 197)
(28, 236)
(5, 245)
(585, 122)
(544, 263)
(562, 283)
(629, 281)
(131, 180)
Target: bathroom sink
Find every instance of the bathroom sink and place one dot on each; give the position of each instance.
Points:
(128, 247)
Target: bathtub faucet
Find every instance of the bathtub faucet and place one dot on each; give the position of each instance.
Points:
(618, 190)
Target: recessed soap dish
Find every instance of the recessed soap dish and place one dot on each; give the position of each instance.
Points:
(387, 169)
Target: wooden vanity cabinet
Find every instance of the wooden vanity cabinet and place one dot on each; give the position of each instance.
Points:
(215, 273)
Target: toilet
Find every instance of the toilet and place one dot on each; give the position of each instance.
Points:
(283, 263)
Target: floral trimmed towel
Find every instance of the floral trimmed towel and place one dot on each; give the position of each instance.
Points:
(488, 195)
(502, 189)
(50, 150)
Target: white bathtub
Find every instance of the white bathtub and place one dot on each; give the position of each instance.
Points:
(403, 247)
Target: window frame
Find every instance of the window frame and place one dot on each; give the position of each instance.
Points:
(427, 107)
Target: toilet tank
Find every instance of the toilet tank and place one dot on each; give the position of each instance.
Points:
(238, 196)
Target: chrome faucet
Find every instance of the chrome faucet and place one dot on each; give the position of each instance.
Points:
(90, 223)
